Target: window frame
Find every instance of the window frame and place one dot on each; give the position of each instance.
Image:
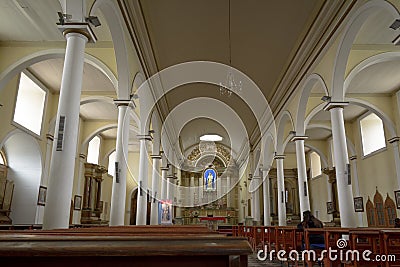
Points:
(363, 156)
(311, 165)
(46, 90)
(99, 154)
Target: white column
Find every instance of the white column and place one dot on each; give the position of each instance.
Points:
(356, 187)
(118, 193)
(191, 191)
(200, 189)
(155, 189)
(228, 195)
(256, 199)
(57, 209)
(141, 214)
(267, 204)
(281, 190)
(345, 194)
(170, 188)
(45, 176)
(302, 174)
(164, 174)
(395, 143)
(82, 160)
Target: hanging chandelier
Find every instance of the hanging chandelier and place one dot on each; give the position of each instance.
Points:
(230, 85)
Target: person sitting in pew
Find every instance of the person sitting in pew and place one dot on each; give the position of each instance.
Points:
(309, 221)
(397, 223)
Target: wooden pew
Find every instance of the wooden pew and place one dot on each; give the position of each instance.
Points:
(168, 251)
(365, 239)
(390, 245)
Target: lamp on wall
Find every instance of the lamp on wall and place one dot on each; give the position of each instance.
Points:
(230, 84)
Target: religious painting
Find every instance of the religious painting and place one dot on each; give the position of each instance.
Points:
(42, 196)
(77, 202)
(358, 204)
(164, 212)
(397, 197)
(330, 208)
(210, 179)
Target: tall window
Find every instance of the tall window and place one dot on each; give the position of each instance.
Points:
(372, 134)
(111, 164)
(93, 150)
(29, 106)
(315, 160)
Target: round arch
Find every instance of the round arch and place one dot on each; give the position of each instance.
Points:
(380, 58)
(309, 83)
(39, 56)
(282, 121)
(350, 32)
(115, 23)
(25, 170)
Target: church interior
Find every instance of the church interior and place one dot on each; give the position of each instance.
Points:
(140, 124)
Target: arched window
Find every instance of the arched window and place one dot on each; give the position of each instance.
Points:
(370, 213)
(315, 160)
(390, 211)
(372, 134)
(93, 150)
(111, 164)
(29, 107)
(380, 214)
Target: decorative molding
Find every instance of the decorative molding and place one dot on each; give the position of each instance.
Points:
(145, 137)
(124, 102)
(354, 157)
(394, 139)
(298, 137)
(81, 28)
(279, 157)
(50, 137)
(333, 104)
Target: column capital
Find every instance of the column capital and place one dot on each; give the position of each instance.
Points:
(333, 104)
(279, 157)
(81, 28)
(394, 140)
(155, 156)
(82, 156)
(145, 137)
(354, 157)
(50, 137)
(124, 102)
(298, 138)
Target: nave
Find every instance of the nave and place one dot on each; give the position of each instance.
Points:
(237, 118)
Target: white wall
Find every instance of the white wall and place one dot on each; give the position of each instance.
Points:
(25, 169)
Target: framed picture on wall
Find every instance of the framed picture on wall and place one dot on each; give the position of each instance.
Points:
(397, 197)
(42, 196)
(358, 204)
(77, 202)
(330, 208)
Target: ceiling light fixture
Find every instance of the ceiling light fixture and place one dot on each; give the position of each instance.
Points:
(211, 137)
(230, 84)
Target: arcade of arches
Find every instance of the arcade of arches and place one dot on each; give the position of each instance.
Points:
(313, 124)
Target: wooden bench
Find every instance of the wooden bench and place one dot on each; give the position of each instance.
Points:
(123, 246)
(390, 245)
(45, 250)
